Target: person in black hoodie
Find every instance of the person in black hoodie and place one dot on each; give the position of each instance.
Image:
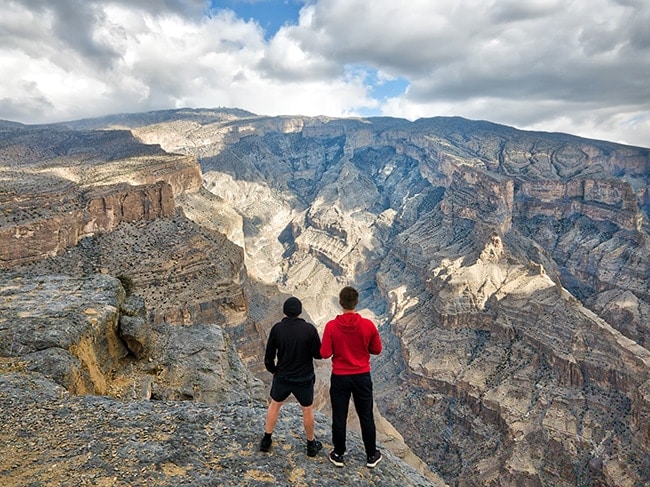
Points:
(295, 343)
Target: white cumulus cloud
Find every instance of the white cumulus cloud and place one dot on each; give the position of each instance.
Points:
(581, 66)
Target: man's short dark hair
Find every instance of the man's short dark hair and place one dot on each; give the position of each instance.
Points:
(348, 298)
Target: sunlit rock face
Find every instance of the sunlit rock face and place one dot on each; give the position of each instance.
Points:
(508, 272)
(59, 186)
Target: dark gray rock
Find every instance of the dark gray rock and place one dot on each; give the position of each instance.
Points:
(135, 332)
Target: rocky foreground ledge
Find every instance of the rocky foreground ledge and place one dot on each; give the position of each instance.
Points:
(51, 437)
(92, 395)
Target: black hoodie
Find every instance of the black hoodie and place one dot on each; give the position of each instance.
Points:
(295, 343)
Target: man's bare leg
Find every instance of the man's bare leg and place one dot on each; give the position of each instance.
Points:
(272, 416)
(308, 421)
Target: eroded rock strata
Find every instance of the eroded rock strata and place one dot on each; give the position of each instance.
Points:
(508, 271)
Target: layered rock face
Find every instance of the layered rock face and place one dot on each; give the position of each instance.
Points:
(508, 273)
(60, 186)
(142, 304)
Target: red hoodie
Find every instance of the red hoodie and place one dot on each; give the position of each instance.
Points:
(350, 339)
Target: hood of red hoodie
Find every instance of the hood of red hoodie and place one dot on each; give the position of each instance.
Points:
(348, 322)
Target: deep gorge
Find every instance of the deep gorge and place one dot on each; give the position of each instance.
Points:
(507, 271)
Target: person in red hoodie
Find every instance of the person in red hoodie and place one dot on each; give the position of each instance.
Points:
(350, 339)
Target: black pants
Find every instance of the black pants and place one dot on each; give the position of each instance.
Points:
(359, 386)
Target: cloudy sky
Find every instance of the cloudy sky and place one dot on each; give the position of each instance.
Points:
(576, 66)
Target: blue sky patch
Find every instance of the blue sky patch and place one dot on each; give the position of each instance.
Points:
(380, 87)
(269, 14)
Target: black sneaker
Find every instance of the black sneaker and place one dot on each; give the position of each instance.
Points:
(265, 444)
(336, 459)
(374, 459)
(313, 447)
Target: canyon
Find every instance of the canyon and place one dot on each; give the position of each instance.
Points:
(508, 273)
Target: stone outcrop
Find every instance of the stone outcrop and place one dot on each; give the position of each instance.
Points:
(68, 327)
(86, 335)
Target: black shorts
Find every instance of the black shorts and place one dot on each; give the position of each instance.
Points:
(303, 391)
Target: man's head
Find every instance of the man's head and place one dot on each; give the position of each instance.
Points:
(292, 307)
(348, 298)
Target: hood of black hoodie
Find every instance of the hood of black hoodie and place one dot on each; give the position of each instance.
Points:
(348, 322)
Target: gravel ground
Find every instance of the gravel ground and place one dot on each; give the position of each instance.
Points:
(50, 437)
